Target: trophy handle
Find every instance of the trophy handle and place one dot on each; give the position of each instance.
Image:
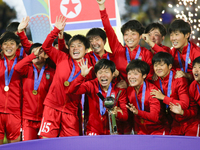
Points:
(110, 124)
(114, 125)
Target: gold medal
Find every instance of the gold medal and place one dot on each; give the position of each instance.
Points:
(6, 88)
(166, 111)
(142, 121)
(34, 92)
(66, 83)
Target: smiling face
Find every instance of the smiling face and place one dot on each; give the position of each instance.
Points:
(161, 69)
(135, 78)
(178, 39)
(196, 72)
(77, 50)
(156, 36)
(104, 77)
(97, 44)
(131, 38)
(9, 48)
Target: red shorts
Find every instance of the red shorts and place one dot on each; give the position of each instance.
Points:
(30, 129)
(56, 123)
(10, 124)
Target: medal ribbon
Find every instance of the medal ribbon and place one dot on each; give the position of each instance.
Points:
(96, 59)
(198, 88)
(102, 108)
(169, 86)
(143, 97)
(21, 53)
(37, 79)
(186, 60)
(128, 56)
(72, 77)
(8, 77)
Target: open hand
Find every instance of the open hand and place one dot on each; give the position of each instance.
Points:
(60, 22)
(84, 67)
(23, 24)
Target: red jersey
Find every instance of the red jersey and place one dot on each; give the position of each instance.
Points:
(148, 119)
(158, 48)
(33, 104)
(10, 101)
(58, 96)
(194, 53)
(98, 123)
(95, 57)
(194, 101)
(119, 51)
(25, 42)
(178, 93)
(61, 45)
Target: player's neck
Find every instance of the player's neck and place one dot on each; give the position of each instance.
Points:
(137, 88)
(181, 48)
(105, 88)
(39, 66)
(101, 53)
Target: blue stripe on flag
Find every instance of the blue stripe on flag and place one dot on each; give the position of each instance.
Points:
(87, 25)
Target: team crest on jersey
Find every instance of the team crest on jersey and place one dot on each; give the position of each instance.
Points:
(140, 58)
(112, 95)
(47, 75)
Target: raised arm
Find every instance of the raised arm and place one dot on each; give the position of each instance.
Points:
(24, 40)
(112, 37)
(52, 52)
(61, 42)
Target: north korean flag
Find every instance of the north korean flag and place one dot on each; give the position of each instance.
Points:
(81, 14)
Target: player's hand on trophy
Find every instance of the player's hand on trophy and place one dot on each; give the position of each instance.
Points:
(116, 110)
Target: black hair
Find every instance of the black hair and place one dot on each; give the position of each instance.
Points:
(139, 65)
(13, 27)
(156, 25)
(66, 37)
(133, 25)
(8, 36)
(163, 56)
(81, 38)
(181, 26)
(196, 60)
(35, 45)
(104, 63)
(96, 32)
